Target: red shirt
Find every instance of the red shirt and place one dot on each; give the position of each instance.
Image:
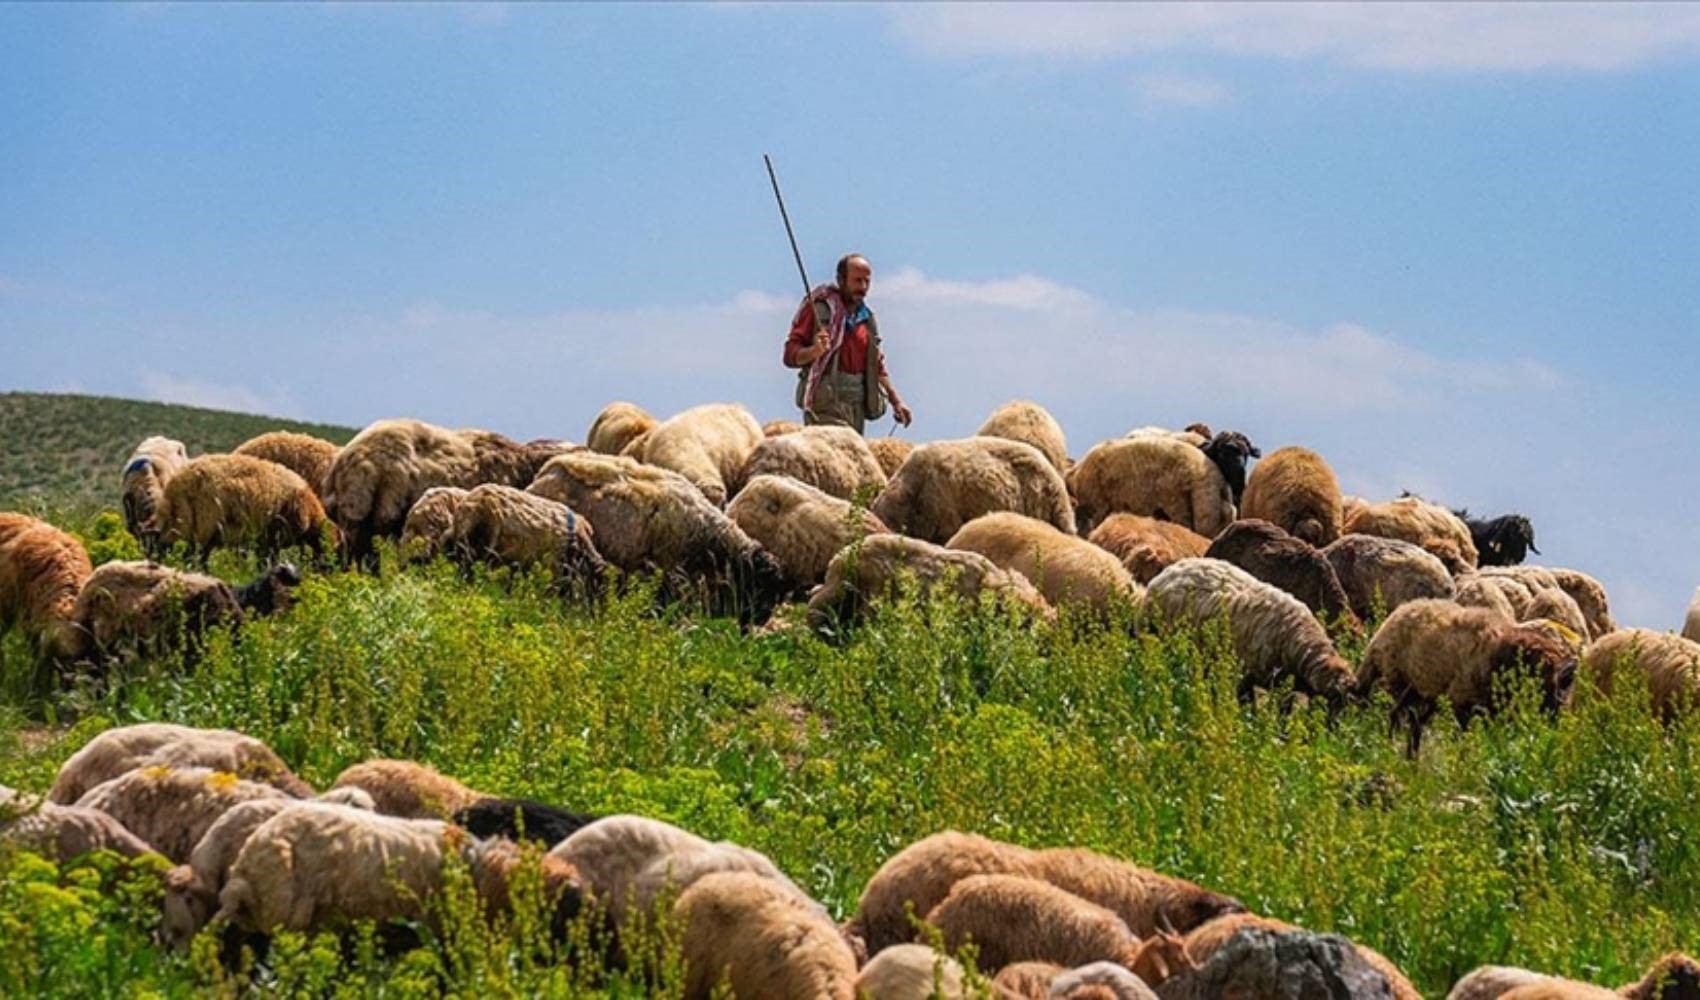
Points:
(852, 353)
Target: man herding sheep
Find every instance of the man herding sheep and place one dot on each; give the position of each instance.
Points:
(836, 347)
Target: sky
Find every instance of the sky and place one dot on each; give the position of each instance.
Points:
(1454, 248)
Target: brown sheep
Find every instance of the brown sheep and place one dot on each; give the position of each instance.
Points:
(1147, 546)
(1587, 592)
(1431, 649)
(1013, 918)
(802, 526)
(303, 454)
(1521, 598)
(170, 808)
(146, 472)
(1673, 977)
(1065, 568)
(616, 426)
(1205, 940)
(876, 568)
(407, 789)
(1296, 566)
(1022, 420)
(1026, 980)
(1100, 981)
(834, 460)
(946, 484)
(1670, 663)
(131, 607)
(126, 748)
(429, 522)
(1160, 477)
(779, 428)
(1385, 573)
(709, 445)
(503, 526)
(62, 832)
(1415, 520)
(891, 453)
(42, 569)
(762, 939)
(235, 500)
(1295, 490)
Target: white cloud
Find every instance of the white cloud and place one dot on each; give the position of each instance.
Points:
(1510, 37)
(168, 388)
(1161, 90)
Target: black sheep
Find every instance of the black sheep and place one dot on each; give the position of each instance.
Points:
(1229, 451)
(1500, 541)
(521, 819)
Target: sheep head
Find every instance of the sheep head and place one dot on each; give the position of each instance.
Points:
(189, 904)
(1532, 651)
(271, 592)
(1229, 451)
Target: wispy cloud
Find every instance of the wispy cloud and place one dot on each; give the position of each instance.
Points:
(1505, 37)
(1156, 91)
(214, 395)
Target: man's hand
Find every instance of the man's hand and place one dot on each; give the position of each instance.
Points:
(819, 346)
(901, 413)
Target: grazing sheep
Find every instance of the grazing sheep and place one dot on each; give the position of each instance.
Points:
(234, 500)
(834, 460)
(505, 526)
(126, 607)
(1158, 477)
(648, 518)
(146, 472)
(303, 454)
(708, 445)
(1100, 981)
(1415, 520)
(801, 525)
(1023, 420)
(1065, 568)
(891, 453)
(1296, 566)
(1203, 942)
(1275, 636)
(1691, 624)
(1147, 546)
(520, 819)
(616, 426)
(911, 972)
(170, 808)
(126, 748)
(876, 568)
(1026, 980)
(1673, 977)
(408, 789)
(1490, 982)
(1521, 597)
(1587, 592)
(1385, 572)
(62, 832)
(1500, 541)
(779, 428)
(42, 569)
(1295, 489)
(946, 484)
(1429, 649)
(762, 939)
(1670, 663)
(1014, 918)
(429, 522)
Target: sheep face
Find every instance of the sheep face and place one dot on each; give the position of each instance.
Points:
(1526, 651)
(1229, 451)
(1197, 909)
(761, 585)
(188, 906)
(1504, 541)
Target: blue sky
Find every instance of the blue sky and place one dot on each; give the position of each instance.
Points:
(1454, 248)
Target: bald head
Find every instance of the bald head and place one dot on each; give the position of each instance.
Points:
(855, 277)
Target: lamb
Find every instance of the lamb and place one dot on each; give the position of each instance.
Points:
(503, 526)
(1158, 477)
(1385, 573)
(1295, 489)
(1204, 941)
(834, 460)
(42, 569)
(1500, 541)
(891, 453)
(127, 607)
(407, 789)
(1428, 649)
(1275, 636)
(170, 808)
(1670, 663)
(1065, 568)
(1522, 597)
(146, 472)
(877, 567)
(1014, 918)
(946, 484)
(616, 426)
(1691, 624)
(126, 748)
(801, 525)
(429, 522)
(708, 445)
(763, 940)
(520, 819)
(62, 832)
(1023, 420)
(1147, 546)
(1415, 520)
(303, 454)
(1296, 566)
(1587, 592)
(648, 518)
(911, 972)
(233, 500)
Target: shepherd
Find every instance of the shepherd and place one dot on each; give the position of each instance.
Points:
(835, 344)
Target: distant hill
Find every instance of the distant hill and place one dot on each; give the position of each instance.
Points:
(65, 452)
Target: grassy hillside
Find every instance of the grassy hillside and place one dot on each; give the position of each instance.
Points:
(66, 452)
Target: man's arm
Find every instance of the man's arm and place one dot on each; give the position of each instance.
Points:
(901, 413)
(806, 341)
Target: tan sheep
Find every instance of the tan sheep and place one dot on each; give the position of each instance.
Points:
(146, 472)
(1100, 981)
(1147, 546)
(802, 526)
(303, 454)
(42, 569)
(62, 832)
(429, 522)
(779, 428)
(1065, 568)
(1490, 982)
(235, 500)
(616, 426)
(876, 569)
(128, 607)
(1415, 520)
(1205, 940)
(150, 744)
(1294, 489)
(708, 445)
(946, 484)
(1587, 592)
(911, 972)
(1159, 477)
(1349, 506)
(1027, 421)
(1669, 662)
(1026, 980)
(1197, 435)
(407, 789)
(1429, 649)
(1559, 989)
(1013, 918)
(891, 453)
(1673, 977)
(170, 808)
(505, 526)
(1385, 573)
(762, 939)
(834, 460)
(1275, 636)
(1520, 597)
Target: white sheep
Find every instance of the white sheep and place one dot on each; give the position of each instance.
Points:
(946, 484)
(146, 472)
(505, 526)
(1670, 664)
(1415, 520)
(171, 808)
(766, 942)
(709, 445)
(1027, 421)
(62, 832)
(802, 526)
(126, 748)
(1065, 567)
(616, 426)
(429, 522)
(878, 566)
(835, 460)
(1160, 477)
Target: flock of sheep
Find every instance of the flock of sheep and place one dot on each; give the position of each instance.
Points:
(257, 851)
